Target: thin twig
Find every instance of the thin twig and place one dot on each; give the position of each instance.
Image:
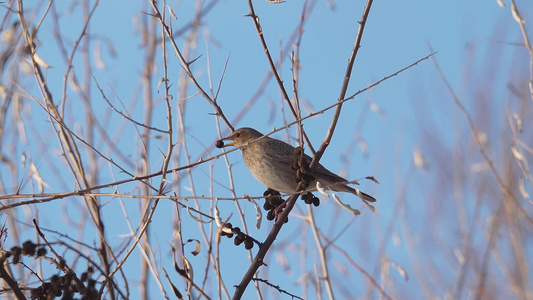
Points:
(522, 23)
(81, 287)
(507, 191)
(344, 88)
(186, 65)
(9, 280)
(274, 71)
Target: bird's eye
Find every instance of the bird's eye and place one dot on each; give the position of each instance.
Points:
(237, 135)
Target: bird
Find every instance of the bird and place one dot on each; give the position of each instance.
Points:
(272, 162)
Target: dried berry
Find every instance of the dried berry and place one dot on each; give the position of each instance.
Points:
(238, 241)
(41, 251)
(305, 169)
(299, 174)
(294, 166)
(248, 243)
(219, 144)
(270, 215)
(302, 161)
(28, 247)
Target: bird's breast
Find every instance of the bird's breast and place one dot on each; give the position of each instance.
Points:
(270, 169)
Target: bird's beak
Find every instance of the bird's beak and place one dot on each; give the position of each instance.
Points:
(228, 138)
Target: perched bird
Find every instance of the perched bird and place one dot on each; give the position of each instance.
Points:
(272, 162)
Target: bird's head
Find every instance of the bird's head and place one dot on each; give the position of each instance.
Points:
(242, 136)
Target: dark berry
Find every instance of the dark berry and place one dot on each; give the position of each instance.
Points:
(270, 215)
(248, 244)
(29, 248)
(238, 241)
(267, 205)
(41, 251)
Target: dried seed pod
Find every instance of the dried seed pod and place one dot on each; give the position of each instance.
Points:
(270, 215)
(41, 251)
(16, 258)
(248, 243)
(299, 174)
(294, 165)
(267, 205)
(237, 241)
(302, 161)
(28, 247)
(305, 182)
(298, 150)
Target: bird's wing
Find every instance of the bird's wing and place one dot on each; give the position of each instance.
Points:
(284, 153)
(279, 151)
(322, 172)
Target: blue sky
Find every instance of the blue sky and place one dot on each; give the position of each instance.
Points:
(418, 231)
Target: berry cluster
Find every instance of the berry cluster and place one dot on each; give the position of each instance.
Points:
(301, 166)
(240, 237)
(272, 201)
(65, 287)
(309, 198)
(28, 248)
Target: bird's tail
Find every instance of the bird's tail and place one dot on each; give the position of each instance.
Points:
(344, 188)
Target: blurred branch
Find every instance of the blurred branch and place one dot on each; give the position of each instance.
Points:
(522, 23)
(4, 274)
(475, 136)
(344, 88)
(359, 268)
(63, 264)
(186, 65)
(259, 30)
(325, 276)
